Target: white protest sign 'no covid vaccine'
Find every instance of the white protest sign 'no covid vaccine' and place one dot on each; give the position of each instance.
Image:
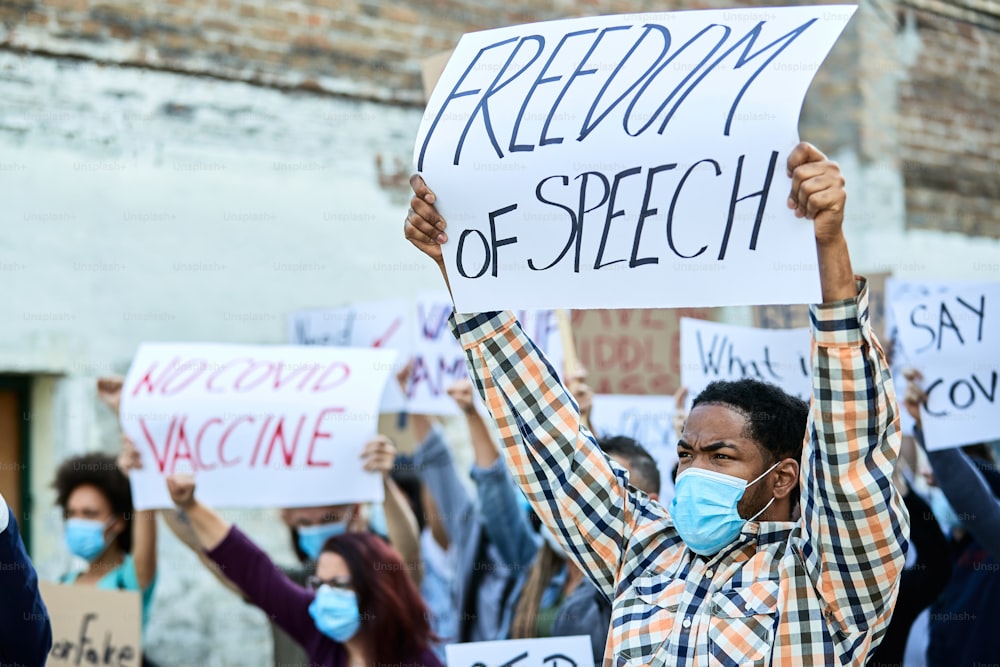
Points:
(258, 425)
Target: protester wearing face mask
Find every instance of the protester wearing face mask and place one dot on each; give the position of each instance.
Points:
(966, 499)
(727, 576)
(361, 608)
(311, 527)
(101, 528)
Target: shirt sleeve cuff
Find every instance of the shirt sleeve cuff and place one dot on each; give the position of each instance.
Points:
(842, 323)
(4, 514)
(472, 328)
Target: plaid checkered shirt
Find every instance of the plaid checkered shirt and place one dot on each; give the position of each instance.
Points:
(818, 591)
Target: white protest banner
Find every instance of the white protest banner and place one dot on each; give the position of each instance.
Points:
(388, 324)
(91, 626)
(951, 337)
(571, 651)
(438, 358)
(259, 426)
(713, 351)
(905, 290)
(606, 161)
(649, 420)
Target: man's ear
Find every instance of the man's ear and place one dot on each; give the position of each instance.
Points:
(786, 478)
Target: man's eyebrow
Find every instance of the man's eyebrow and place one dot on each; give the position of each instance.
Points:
(714, 447)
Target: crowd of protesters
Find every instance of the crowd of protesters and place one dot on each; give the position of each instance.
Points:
(798, 533)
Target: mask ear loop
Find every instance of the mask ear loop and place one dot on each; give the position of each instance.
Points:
(771, 501)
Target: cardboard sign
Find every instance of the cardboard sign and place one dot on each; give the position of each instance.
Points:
(385, 324)
(279, 426)
(713, 351)
(549, 652)
(951, 337)
(580, 161)
(631, 351)
(649, 420)
(93, 627)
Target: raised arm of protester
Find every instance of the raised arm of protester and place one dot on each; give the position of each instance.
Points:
(27, 634)
(502, 515)
(404, 533)
(128, 460)
(551, 455)
(967, 490)
(109, 391)
(436, 467)
(852, 514)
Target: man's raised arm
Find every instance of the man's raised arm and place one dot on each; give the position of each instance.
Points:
(853, 516)
(576, 490)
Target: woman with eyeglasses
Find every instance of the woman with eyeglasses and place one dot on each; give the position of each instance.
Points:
(360, 608)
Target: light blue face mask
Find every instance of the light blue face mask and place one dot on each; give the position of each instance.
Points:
(335, 613)
(704, 508)
(312, 538)
(85, 538)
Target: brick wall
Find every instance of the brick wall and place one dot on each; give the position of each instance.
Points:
(365, 48)
(944, 138)
(950, 118)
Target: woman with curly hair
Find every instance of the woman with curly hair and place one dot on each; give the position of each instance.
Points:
(118, 544)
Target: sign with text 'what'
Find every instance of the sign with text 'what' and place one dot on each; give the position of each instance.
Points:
(257, 425)
(713, 351)
(951, 338)
(626, 161)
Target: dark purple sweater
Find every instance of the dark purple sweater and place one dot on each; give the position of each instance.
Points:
(287, 603)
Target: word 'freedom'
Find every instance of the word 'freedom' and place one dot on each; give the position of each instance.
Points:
(711, 40)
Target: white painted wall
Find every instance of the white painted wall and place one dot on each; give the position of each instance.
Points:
(124, 223)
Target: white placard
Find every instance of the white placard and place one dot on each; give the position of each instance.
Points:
(647, 419)
(904, 289)
(714, 351)
(548, 652)
(260, 426)
(388, 324)
(952, 338)
(626, 161)
(438, 358)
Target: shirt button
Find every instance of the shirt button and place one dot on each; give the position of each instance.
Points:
(687, 622)
(708, 573)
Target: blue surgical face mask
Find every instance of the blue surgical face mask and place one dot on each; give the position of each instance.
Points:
(335, 613)
(312, 538)
(704, 508)
(85, 538)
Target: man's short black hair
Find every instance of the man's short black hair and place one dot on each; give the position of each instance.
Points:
(643, 471)
(101, 471)
(776, 421)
